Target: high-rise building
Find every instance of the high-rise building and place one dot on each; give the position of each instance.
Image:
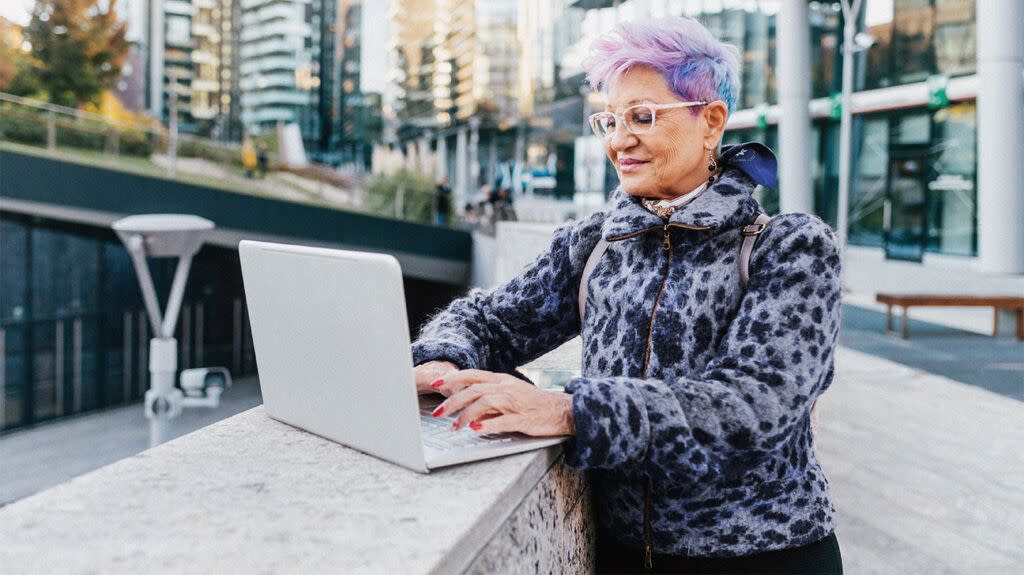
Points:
(188, 47)
(287, 65)
(455, 77)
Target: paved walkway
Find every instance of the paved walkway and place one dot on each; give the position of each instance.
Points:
(51, 453)
(951, 349)
(927, 473)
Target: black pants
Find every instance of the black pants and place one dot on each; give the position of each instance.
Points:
(821, 557)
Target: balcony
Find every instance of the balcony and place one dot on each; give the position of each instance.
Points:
(179, 7)
(286, 28)
(264, 65)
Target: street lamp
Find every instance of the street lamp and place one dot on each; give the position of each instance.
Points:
(161, 236)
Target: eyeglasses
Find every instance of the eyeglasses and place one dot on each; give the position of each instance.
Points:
(637, 119)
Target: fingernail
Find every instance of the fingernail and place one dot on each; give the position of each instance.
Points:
(438, 411)
(455, 425)
(475, 426)
(437, 383)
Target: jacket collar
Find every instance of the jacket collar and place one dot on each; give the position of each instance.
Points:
(727, 203)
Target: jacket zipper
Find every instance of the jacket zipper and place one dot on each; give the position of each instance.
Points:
(666, 244)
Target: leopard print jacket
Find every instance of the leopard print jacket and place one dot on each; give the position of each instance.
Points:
(692, 412)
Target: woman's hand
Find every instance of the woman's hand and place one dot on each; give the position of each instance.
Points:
(430, 372)
(496, 402)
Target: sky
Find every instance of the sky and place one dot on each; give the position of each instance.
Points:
(374, 63)
(17, 11)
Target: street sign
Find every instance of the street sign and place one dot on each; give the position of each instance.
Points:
(835, 106)
(937, 97)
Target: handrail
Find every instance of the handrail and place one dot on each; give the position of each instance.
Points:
(76, 113)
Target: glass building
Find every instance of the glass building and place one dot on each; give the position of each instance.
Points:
(913, 184)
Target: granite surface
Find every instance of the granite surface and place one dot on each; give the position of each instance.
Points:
(551, 531)
(253, 495)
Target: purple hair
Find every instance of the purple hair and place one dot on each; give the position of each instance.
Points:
(695, 64)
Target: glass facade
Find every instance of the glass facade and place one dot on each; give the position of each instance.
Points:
(73, 332)
(918, 38)
(912, 188)
(914, 183)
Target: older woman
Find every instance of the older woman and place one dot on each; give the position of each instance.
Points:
(692, 414)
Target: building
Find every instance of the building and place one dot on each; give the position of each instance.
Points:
(916, 202)
(188, 47)
(287, 62)
(354, 140)
(455, 87)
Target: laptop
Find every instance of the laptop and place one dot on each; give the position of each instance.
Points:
(332, 346)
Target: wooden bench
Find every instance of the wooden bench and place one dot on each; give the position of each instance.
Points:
(950, 300)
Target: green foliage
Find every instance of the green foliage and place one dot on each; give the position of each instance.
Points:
(190, 148)
(77, 49)
(417, 195)
(20, 127)
(30, 128)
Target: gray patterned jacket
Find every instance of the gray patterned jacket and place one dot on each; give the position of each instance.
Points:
(692, 413)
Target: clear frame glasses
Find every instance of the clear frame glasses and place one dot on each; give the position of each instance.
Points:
(637, 119)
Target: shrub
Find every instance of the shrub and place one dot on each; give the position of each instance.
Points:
(417, 195)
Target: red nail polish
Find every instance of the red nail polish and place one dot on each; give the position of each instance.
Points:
(438, 411)
(475, 426)
(437, 383)
(455, 425)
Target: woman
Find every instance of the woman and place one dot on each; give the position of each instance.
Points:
(692, 415)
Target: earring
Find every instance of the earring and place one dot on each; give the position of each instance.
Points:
(712, 166)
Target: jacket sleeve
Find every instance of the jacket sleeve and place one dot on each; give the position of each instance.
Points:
(774, 359)
(503, 328)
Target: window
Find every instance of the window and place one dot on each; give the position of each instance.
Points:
(869, 185)
(952, 205)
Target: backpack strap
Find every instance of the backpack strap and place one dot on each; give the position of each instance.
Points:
(595, 256)
(750, 233)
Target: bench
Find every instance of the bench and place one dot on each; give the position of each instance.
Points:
(950, 300)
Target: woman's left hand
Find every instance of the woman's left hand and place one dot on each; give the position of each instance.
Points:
(497, 402)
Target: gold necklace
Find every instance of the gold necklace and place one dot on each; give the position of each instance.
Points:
(663, 211)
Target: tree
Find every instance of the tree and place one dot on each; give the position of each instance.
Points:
(77, 49)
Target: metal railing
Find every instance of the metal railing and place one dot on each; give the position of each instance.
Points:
(41, 124)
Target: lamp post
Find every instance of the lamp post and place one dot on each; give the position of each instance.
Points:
(160, 236)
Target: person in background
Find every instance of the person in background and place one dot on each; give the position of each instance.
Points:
(262, 160)
(248, 158)
(442, 202)
(469, 214)
(503, 210)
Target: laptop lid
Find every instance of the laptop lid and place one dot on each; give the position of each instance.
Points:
(332, 346)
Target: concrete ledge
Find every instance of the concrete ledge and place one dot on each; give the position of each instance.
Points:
(250, 494)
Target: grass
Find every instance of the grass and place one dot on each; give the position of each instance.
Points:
(144, 167)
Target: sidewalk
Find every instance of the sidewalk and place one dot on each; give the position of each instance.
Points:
(940, 346)
(926, 472)
(51, 453)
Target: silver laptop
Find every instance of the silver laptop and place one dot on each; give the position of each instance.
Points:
(332, 347)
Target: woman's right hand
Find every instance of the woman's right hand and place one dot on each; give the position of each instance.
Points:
(429, 372)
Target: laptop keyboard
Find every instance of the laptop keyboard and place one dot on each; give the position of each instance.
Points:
(437, 433)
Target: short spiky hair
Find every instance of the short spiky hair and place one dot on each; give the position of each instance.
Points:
(695, 64)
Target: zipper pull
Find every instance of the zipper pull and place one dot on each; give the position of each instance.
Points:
(666, 241)
(648, 562)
